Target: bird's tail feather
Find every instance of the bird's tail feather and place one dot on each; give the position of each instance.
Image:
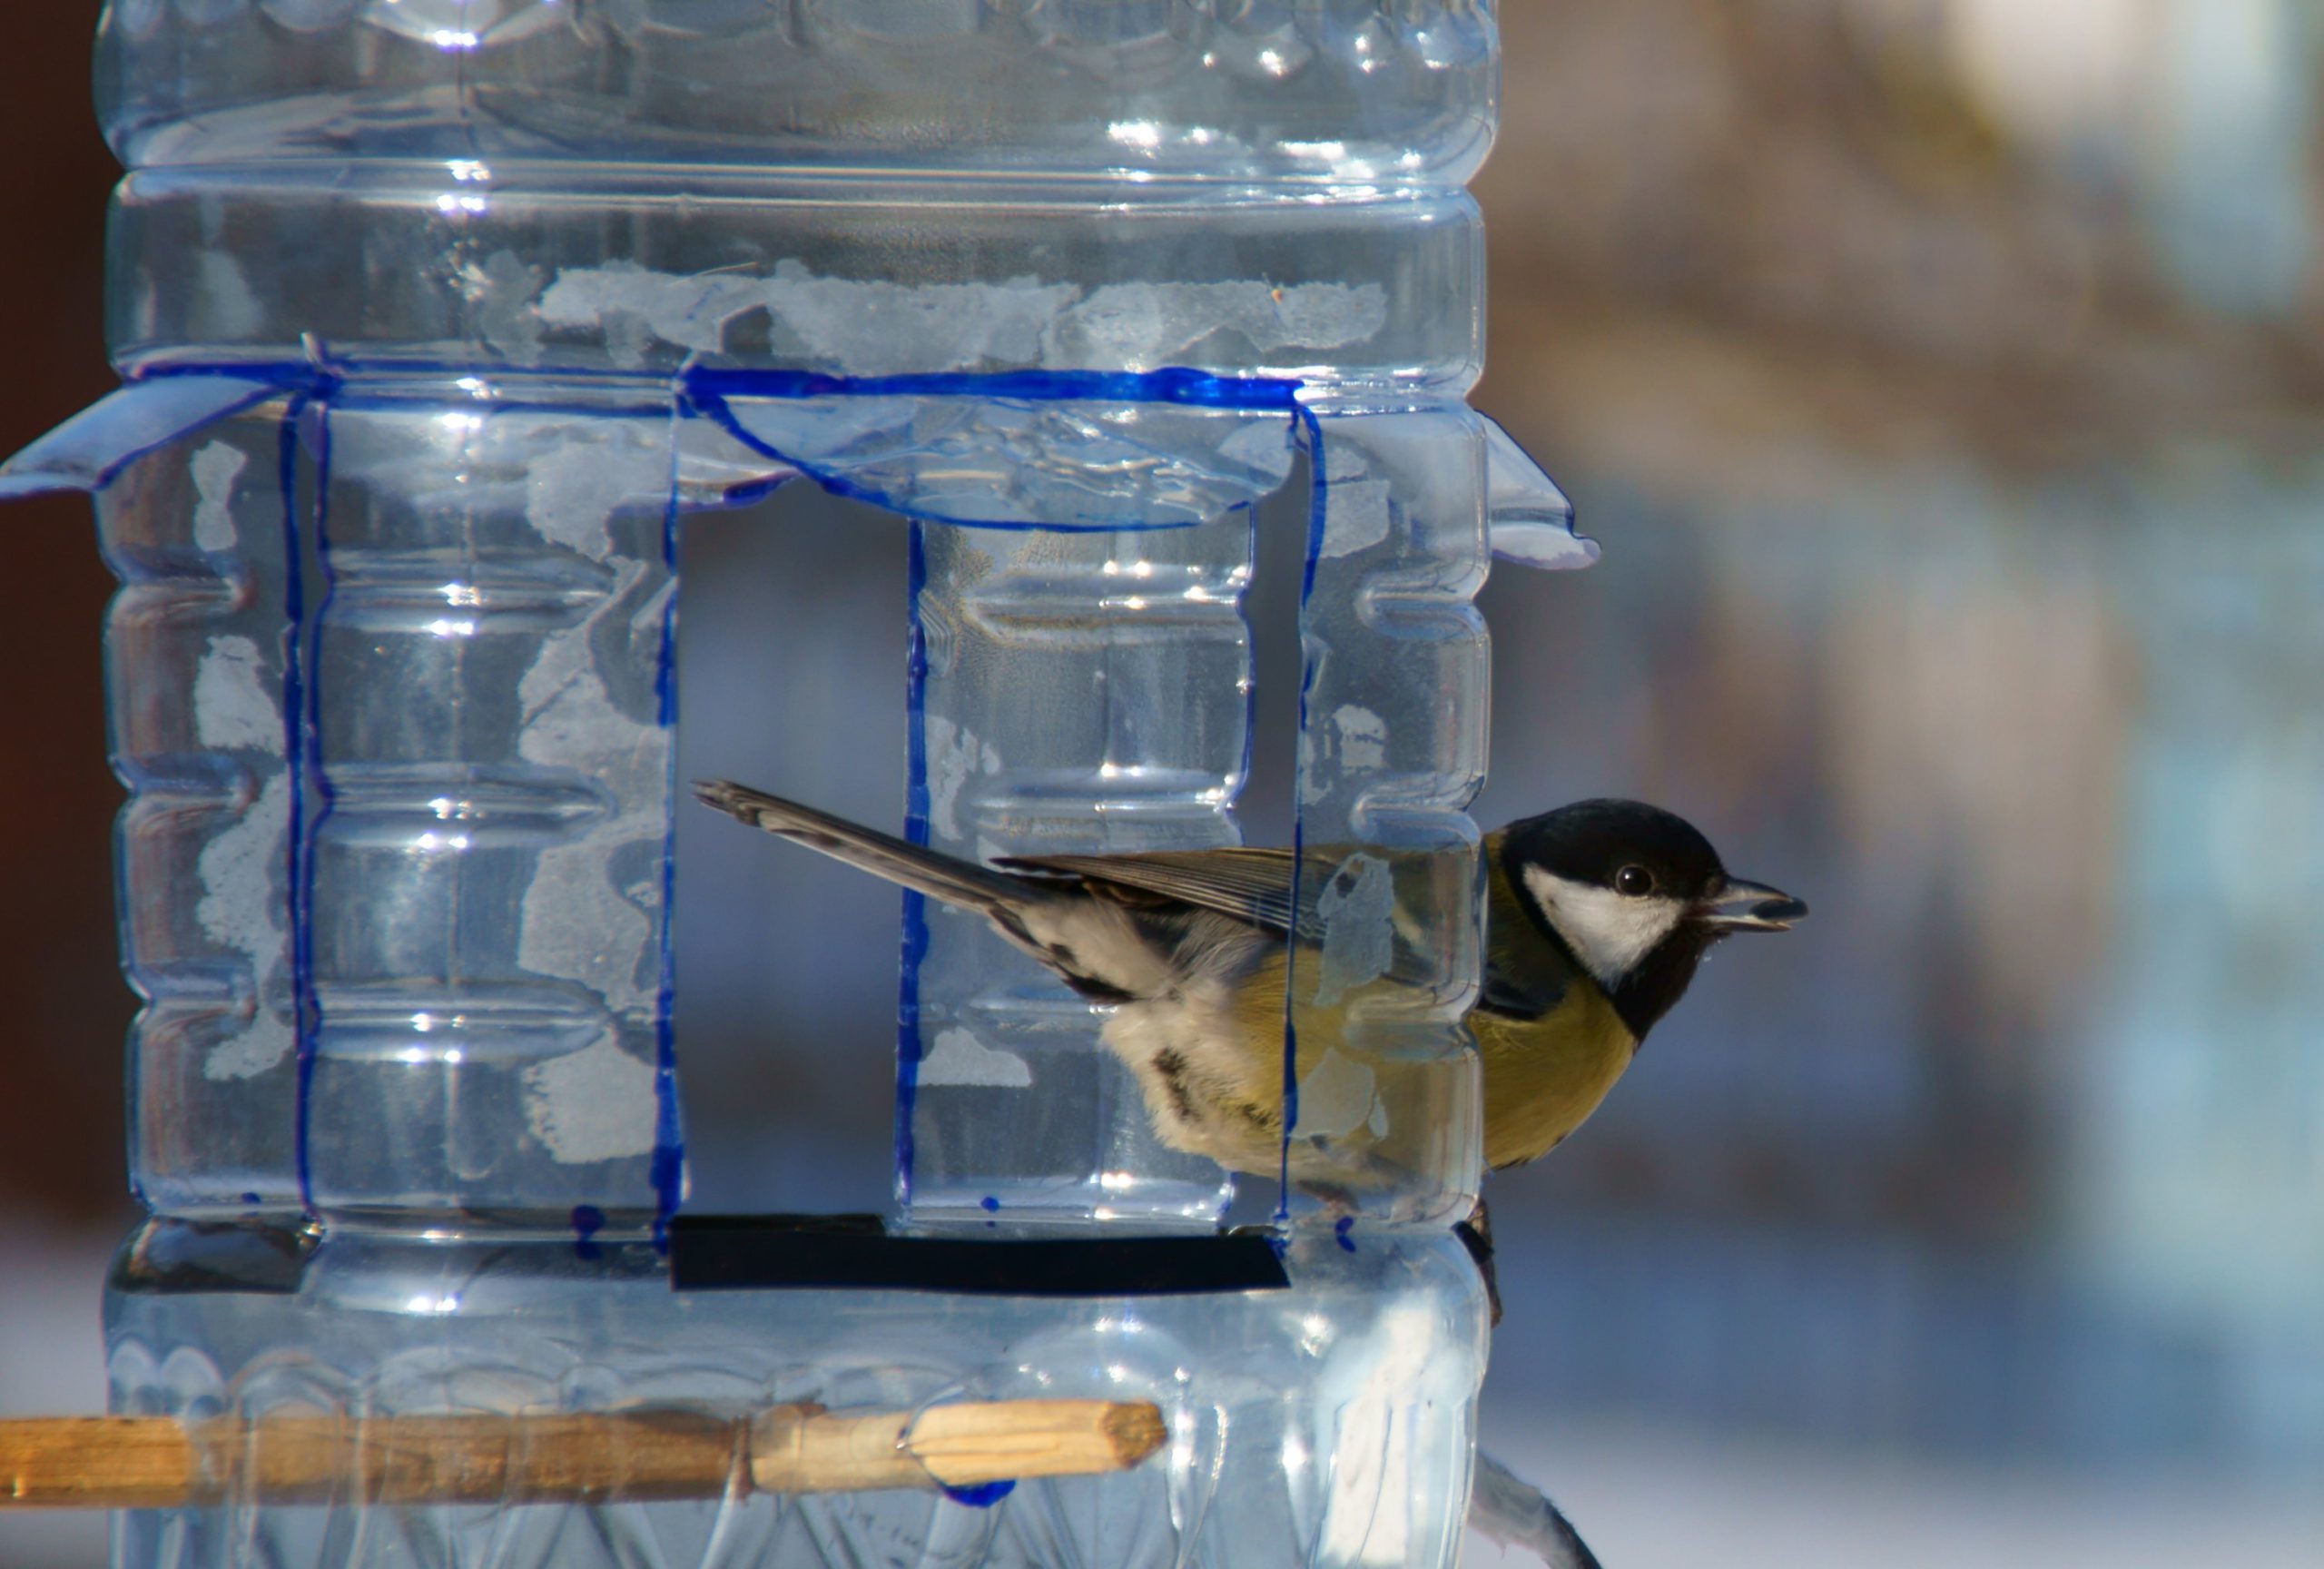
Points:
(915, 866)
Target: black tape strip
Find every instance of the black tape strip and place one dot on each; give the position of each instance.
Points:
(739, 1253)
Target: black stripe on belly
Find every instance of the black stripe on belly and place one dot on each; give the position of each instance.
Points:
(1171, 1064)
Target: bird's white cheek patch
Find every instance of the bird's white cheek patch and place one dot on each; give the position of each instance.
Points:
(1609, 933)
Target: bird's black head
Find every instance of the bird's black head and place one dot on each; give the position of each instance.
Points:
(1636, 895)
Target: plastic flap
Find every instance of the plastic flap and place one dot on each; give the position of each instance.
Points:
(87, 450)
(1530, 520)
(1010, 463)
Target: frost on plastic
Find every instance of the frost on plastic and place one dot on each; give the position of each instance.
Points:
(485, 914)
(877, 328)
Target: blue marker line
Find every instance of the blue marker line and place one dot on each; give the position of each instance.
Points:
(1172, 384)
(294, 703)
(1318, 514)
(668, 1171)
(588, 1221)
(915, 907)
(326, 792)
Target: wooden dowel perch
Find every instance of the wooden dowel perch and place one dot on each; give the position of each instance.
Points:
(157, 1462)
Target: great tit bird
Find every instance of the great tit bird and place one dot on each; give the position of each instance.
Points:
(1597, 915)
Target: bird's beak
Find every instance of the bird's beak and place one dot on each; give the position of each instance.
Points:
(1741, 906)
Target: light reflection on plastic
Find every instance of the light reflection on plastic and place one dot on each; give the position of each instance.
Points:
(451, 38)
(467, 169)
(424, 1303)
(1135, 133)
(465, 594)
(461, 424)
(450, 205)
(443, 626)
(1182, 1434)
(432, 842)
(1315, 1334)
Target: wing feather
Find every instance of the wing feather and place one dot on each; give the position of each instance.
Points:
(1250, 885)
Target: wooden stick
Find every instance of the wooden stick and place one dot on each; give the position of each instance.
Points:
(157, 1462)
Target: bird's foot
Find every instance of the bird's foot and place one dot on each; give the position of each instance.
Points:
(1476, 1235)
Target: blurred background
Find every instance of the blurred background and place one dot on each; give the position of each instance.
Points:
(1944, 380)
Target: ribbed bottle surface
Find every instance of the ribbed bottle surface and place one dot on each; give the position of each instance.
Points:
(1072, 285)
(196, 662)
(389, 689)
(1372, 91)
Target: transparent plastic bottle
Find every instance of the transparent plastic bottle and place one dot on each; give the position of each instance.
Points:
(437, 318)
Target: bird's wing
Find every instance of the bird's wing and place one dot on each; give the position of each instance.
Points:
(1250, 885)
(1526, 973)
(1255, 885)
(913, 866)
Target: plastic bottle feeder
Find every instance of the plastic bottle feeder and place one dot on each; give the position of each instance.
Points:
(436, 320)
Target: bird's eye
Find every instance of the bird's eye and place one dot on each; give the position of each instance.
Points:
(1634, 880)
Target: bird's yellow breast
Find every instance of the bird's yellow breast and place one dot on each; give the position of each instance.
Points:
(1212, 1074)
(1544, 1076)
